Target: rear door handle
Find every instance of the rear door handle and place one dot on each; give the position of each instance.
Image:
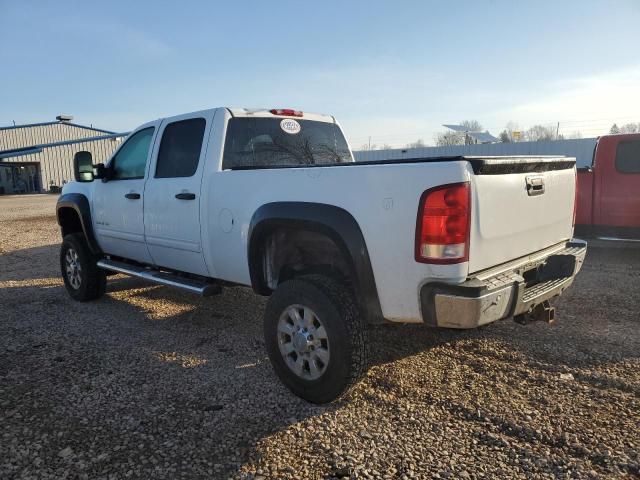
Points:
(132, 196)
(186, 196)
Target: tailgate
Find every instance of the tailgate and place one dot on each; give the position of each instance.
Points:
(520, 205)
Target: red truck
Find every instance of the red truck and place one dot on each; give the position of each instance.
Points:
(608, 203)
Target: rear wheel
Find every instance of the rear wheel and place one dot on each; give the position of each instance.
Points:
(82, 278)
(315, 337)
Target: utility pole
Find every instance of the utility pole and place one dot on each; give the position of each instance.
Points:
(557, 130)
(369, 142)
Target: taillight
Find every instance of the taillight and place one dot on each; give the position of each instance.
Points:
(442, 229)
(286, 112)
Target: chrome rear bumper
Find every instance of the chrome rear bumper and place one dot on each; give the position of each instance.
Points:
(479, 301)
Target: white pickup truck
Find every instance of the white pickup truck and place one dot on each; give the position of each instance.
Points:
(273, 199)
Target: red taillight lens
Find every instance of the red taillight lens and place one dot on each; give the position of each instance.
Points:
(287, 112)
(442, 229)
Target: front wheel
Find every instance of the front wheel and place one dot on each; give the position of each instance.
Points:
(83, 279)
(315, 337)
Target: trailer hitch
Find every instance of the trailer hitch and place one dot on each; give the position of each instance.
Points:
(542, 312)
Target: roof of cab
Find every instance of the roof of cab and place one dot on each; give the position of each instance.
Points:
(265, 112)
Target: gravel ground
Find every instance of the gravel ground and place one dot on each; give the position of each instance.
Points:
(150, 382)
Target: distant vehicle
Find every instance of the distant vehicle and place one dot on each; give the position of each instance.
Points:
(273, 199)
(609, 190)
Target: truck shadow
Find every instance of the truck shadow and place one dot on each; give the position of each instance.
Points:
(29, 263)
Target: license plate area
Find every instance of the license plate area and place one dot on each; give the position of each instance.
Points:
(554, 267)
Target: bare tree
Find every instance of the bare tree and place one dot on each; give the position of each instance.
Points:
(511, 132)
(539, 133)
(444, 139)
(630, 128)
(417, 144)
(471, 125)
(504, 137)
(573, 135)
(514, 131)
(366, 146)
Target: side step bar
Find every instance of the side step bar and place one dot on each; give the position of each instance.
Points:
(164, 278)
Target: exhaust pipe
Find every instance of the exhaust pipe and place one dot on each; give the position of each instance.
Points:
(543, 312)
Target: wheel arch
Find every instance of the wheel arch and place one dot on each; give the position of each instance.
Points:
(330, 221)
(74, 215)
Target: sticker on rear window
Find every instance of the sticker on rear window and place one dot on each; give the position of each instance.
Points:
(290, 126)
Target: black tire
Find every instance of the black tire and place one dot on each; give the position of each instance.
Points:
(346, 332)
(91, 281)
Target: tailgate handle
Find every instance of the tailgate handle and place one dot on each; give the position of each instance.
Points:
(535, 186)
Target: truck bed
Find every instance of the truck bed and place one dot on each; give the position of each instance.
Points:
(383, 198)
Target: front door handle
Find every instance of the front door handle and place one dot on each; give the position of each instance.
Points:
(186, 196)
(132, 196)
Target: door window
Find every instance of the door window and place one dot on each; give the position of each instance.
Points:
(131, 159)
(180, 148)
(628, 157)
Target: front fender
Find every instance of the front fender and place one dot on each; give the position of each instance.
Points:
(80, 205)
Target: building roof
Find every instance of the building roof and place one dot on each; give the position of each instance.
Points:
(483, 137)
(457, 128)
(479, 137)
(18, 152)
(27, 125)
(23, 136)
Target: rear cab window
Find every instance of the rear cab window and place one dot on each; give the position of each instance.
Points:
(282, 142)
(180, 148)
(628, 157)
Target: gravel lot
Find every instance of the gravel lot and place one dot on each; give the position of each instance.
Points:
(150, 382)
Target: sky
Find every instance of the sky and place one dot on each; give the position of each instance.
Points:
(392, 71)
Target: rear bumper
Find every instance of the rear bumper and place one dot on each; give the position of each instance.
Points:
(481, 301)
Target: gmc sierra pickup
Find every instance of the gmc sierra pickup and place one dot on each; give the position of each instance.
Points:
(273, 199)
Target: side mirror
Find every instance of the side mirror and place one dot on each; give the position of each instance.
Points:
(83, 167)
(101, 171)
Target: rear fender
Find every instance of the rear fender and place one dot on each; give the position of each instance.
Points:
(334, 222)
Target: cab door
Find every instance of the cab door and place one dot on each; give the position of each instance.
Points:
(118, 201)
(617, 201)
(172, 193)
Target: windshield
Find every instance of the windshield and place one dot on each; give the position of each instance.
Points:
(282, 142)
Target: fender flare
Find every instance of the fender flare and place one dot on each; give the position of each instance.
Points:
(80, 204)
(334, 222)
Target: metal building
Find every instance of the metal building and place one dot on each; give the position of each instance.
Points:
(582, 149)
(38, 157)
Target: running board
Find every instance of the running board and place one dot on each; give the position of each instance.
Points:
(164, 278)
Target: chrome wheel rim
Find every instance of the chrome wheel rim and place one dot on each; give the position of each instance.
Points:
(73, 268)
(303, 342)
